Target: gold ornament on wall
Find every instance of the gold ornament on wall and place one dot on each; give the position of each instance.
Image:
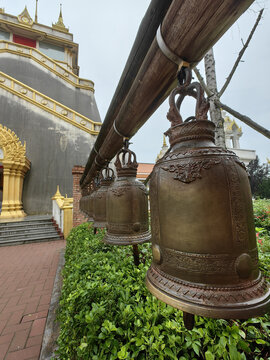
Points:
(15, 160)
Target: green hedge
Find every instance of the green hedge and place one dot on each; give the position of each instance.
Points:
(106, 312)
(262, 213)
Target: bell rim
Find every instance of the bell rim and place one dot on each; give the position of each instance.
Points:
(242, 310)
(127, 240)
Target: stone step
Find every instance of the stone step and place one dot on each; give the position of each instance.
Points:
(27, 230)
(25, 222)
(20, 241)
(28, 234)
(24, 228)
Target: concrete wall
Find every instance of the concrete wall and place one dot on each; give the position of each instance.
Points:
(39, 78)
(53, 147)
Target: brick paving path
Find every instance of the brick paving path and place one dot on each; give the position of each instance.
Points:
(27, 274)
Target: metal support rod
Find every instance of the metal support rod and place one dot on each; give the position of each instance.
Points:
(188, 320)
(136, 255)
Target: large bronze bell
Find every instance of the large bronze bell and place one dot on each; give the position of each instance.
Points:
(205, 258)
(106, 177)
(127, 204)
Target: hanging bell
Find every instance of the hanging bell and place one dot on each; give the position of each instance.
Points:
(86, 201)
(205, 258)
(127, 204)
(106, 177)
(83, 200)
(90, 201)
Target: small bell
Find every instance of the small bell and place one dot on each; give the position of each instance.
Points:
(205, 258)
(106, 178)
(83, 200)
(86, 201)
(90, 201)
(127, 204)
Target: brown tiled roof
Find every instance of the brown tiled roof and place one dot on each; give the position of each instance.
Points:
(144, 169)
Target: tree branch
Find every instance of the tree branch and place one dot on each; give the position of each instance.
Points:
(245, 119)
(202, 82)
(241, 53)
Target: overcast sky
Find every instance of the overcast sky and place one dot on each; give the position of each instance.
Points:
(105, 31)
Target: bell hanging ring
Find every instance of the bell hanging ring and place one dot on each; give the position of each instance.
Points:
(205, 258)
(106, 178)
(127, 204)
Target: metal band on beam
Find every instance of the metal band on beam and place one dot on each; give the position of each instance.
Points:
(167, 51)
(118, 132)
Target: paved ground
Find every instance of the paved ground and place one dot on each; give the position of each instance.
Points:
(27, 274)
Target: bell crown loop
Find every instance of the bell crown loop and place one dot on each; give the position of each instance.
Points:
(194, 127)
(106, 176)
(186, 88)
(126, 163)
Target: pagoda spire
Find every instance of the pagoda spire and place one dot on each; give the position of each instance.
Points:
(163, 150)
(60, 23)
(164, 141)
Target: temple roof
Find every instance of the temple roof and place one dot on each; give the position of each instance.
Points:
(230, 125)
(144, 169)
(24, 25)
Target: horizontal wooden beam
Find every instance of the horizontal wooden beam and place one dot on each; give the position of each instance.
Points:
(189, 29)
(146, 33)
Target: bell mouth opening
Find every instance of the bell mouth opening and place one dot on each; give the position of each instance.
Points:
(214, 302)
(193, 130)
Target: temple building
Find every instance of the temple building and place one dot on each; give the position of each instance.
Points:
(232, 135)
(49, 119)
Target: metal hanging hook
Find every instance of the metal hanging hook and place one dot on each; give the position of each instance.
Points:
(126, 143)
(184, 76)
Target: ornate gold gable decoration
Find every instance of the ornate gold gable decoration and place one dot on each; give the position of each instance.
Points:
(11, 145)
(15, 166)
(60, 24)
(25, 19)
(230, 124)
